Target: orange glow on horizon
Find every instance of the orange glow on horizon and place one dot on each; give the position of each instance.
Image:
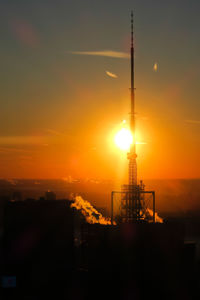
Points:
(68, 149)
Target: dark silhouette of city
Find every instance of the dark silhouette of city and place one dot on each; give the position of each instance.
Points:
(49, 249)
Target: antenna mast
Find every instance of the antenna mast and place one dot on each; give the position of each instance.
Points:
(133, 206)
(132, 154)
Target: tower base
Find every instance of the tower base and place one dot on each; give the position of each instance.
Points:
(133, 204)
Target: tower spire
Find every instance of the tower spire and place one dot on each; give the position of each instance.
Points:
(133, 207)
(132, 155)
(131, 28)
(132, 63)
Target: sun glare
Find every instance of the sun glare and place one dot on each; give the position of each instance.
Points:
(123, 139)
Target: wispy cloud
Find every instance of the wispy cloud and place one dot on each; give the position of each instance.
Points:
(155, 67)
(12, 149)
(54, 132)
(193, 121)
(107, 53)
(21, 140)
(111, 74)
(141, 143)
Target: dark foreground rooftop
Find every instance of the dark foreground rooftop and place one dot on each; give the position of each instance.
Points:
(47, 249)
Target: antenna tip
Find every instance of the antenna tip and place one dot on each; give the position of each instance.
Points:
(132, 17)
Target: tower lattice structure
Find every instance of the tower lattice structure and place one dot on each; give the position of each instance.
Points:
(133, 206)
(132, 198)
(132, 154)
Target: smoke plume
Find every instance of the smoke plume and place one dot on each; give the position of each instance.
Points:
(149, 212)
(91, 215)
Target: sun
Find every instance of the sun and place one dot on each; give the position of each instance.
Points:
(123, 139)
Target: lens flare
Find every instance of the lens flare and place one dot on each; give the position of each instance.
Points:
(123, 139)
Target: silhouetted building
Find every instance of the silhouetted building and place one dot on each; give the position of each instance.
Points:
(38, 245)
(17, 196)
(50, 196)
(49, 249)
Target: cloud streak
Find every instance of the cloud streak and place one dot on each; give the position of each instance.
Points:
(105, 53)
(155, 67)
(21, 140)
(11, 150)
(54, 132)
(111, 74)
(193, 122)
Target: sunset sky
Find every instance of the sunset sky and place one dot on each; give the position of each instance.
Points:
(64, 88)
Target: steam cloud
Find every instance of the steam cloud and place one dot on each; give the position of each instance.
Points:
(157, 218)
(92, 216)
(90, 213)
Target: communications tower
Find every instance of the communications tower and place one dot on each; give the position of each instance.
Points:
(132, 154)
(133, 206)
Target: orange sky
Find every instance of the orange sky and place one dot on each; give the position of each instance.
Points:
(87, 149)
(65, 89)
